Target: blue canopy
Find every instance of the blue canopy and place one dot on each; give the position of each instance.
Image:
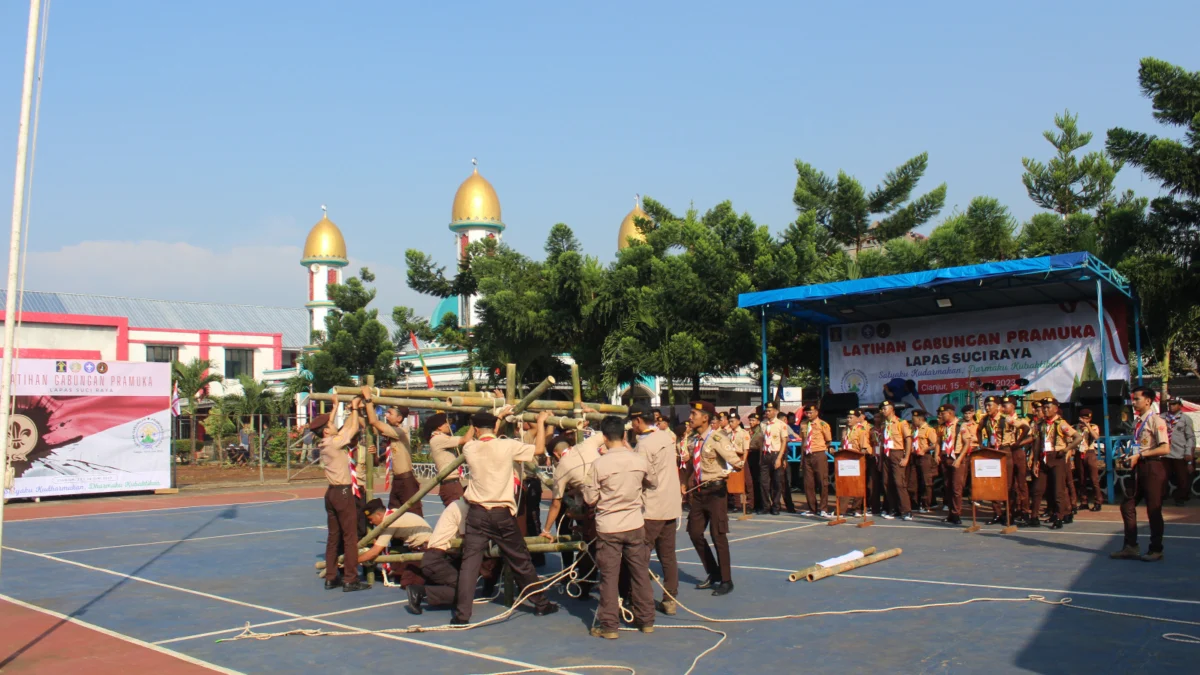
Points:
(1065, 277)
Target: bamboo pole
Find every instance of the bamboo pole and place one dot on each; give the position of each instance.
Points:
(561, 422)
(510, 383)
(413, 403)
(803, 573)
(412, 393)
(606, 408)
(429, 485)
(824, 572)
(576, 400)
(532, 396)
(456, 544)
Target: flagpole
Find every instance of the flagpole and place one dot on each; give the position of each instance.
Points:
(14, 244)
(428, 379)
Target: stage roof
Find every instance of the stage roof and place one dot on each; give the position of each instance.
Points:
(1065, 277)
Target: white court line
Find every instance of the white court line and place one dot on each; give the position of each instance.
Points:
(201, 508)
(741, 567)
(180, 541)
(1025, 590)
(122, 637)
(771, 534)
(1040, 530)
(292, 615)
(276, 623)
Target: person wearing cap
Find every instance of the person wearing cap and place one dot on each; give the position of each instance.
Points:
(772, 477)
(710, 455)
(615, 488)
(444, 447)
(995, 433)
(1054, 439)
(878, 500)
(404, 484)
(897, 451)
(970, 428)
(857, 439)
(409, 529)
(1087, 464)
(1149, 477)
(922, 465)
(1180, 464)
(754, 462)
(493, 509)
(740, 485)
(952, 446)
(341, 509)
(816, 437)
(1020, 433)
(571, 472)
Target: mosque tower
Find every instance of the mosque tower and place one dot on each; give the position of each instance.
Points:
(474, 216)
(324, 257)
(629, 227)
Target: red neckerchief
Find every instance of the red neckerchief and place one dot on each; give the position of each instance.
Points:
(697, 448)
(948, 442)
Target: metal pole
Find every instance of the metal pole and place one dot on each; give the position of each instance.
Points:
(1109, 449)
(1137, 336)
(766, 384)
(287, 462)
(824, 359)
(261, 479)
(14, 243)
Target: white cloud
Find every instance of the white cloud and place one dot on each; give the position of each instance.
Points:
(250, 275)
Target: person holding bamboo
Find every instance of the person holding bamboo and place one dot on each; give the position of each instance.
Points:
(341, 509)
(444, 447)
(402, 482)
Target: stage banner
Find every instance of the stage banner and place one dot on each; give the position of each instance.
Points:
(922, 360)
(83, 427)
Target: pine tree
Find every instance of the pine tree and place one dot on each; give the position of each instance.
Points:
(1068, 184)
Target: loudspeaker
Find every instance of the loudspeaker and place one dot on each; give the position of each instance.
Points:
(838, 404)
(1090, 392)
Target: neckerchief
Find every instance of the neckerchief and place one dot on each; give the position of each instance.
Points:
(387, 481)
(990, 425)
(354, 486)
(1170, 419)
(697, 448)
(948, 441)
(1137, 431)
(1048, 436)
(808, 438)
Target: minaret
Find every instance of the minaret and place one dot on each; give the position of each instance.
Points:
(629, 225)
(324, 257)
(474, 216)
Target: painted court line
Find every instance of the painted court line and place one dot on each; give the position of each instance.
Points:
(276, 623)
(771, 534)
(121, 636)
(292, 615)
(1025, 590)
(1040, 530)
(181, 541)
(199, 508)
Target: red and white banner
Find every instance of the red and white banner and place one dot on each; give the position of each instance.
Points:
(81, 427)
(924, 359)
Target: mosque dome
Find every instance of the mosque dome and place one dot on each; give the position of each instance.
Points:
(325, 244)
(629, 227)
(476, 203)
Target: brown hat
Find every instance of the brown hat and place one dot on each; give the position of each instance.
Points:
(1008, 399)
(991, 399)
(770, 405)
(432, 423)
(917, 412)
(1050, 400)
(704, 406)
(318, 422)
(945, 407)
(853, 412)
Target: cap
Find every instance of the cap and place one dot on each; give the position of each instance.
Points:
(318, 422)
(968, 408)
(1036, 403)
(752, 416)
(373, 506)
(483, 419)
(855, 412)
(402, 409)
(770, 405)
(640, 411)
(917, 412)
(432, 423)
(1049, 400)
(886, 404)
(991, 399)
(1175, 400)
(705, 406)
(1008, 399)
(945, 407)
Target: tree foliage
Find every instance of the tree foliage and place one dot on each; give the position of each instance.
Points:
(1069, 184)
(354, 343)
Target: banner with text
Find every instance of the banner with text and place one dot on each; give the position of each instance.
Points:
(81, 427)
(921, 360)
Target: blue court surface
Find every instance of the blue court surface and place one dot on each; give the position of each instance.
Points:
(183, 578)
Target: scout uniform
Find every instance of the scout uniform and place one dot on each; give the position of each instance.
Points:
(492, 514)
(970, 431)
(404, 484)
(615, 489)
(571, 474)
(662, 507)
(953, 442)
(411, 531)
(710, 455)
(858, 439)
(896, 446)
(1087, 463)
(443, 449)
(1050, 468)
(1150, 483)
(1019, 433)
(771, 480)
(877, 495)
(1183, 446)
(817, 437)
(922, 465)
(739, 481)
(996, 433)
(341, 509)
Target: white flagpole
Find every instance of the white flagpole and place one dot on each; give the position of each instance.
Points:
(14, 245)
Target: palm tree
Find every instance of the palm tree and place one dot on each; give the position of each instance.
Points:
(193, 379)
(255, 399)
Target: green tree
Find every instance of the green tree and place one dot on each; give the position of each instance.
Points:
(1068, 184)
(193, 379)
(355, 343)
(846, 209)
(218, 424)
(254, 399)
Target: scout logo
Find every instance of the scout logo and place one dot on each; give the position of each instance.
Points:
(102, 367)
(75, 367)
(89, 367)
(854, 381)
(147, 433)
(22, 437)
(60, 366)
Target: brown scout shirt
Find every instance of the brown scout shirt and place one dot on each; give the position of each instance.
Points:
(662, 501)
(1153, 432)
(925, 439)
(572, 471)
(451, 524)
(997, 427)
(954, 439)
(401, 449)
(1052, 436)
(443, 449)
(816, 435)
(335, 458)
(490, 460)
(776, 435)
(715, 453)
(409, 527)
(894, 432)
(858, 438)
(618, 479)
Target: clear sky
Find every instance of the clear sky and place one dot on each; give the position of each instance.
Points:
(186, 147)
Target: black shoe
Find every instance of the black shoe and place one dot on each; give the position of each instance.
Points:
(330, 585)
(774, 512)
(548, 608)
(1056, 525)
(1095, 508)
(707, 583)
(416, 594)
(459, 622)
(723, 588)
(1033, 522)
(356, 586)
(996, 520)
(1069, 519)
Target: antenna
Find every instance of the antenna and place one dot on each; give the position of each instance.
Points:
(324, 211)
(475, 163)
(637, 200)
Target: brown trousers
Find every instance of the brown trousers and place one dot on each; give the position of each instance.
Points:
(1052, 472)
(897, 483)
(404, 488)
(952, 483)
(440, 570)
(816, 480)
(450, 491)
(707, 508)
(1150, 484)
(1072, 498)
(920, 480)
(1087, 468)
(877, 495)
(1180, 471)
(500, 526)
(628, 550)
(341, 516)
(1018, 492)
(770, 480)
(660, 536)
(584, 527)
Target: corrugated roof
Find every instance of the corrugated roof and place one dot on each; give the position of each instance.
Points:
(146, 313)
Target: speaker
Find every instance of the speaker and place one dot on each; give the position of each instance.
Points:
(838, 404)
(1090, 392)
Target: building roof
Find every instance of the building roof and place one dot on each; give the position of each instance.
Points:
(292, 322)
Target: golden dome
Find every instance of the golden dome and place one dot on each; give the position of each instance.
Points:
(629, 227)
(325, 243)
(476, 202)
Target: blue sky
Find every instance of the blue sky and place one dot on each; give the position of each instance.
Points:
(186, 148)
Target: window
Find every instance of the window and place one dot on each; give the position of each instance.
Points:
(161, 354)
(239, 362)
(289, 359)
